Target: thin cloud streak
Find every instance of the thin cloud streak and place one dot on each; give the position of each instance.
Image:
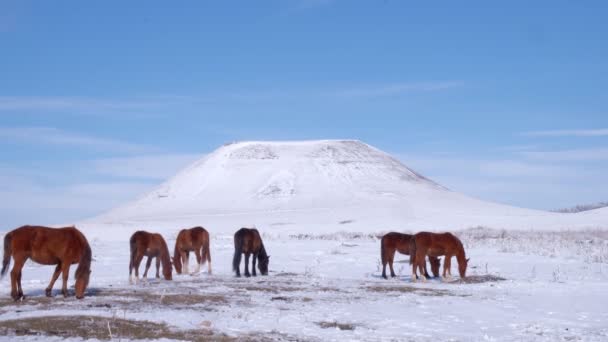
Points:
(574, 155)
(153, 167)
(569, 133)
(397, 89)
(14, 103)
(54, 136)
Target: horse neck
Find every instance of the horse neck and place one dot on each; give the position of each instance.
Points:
(460, 254)
(84, 265)
(164, 255)
(177, 259)
(262, 254)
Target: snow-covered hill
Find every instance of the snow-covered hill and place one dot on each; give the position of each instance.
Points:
(321, 187)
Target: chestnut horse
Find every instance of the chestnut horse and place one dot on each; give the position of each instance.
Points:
(437, 244)
(393, 242)
(194, 239)
(248, 241)
(48, 246)
(151, 245)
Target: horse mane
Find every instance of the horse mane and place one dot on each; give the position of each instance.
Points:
(262, 254)
(177, 259)
(460, 254)
(164, 255)
(84, 265)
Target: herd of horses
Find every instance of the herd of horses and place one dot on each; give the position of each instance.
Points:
(67, 246)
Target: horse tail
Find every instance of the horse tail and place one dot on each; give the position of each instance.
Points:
(207, 252)
(412, 250)
(7, 254)
(238, 250)
(383, 251)
(133, 245)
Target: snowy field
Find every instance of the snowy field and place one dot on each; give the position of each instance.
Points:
(530, 286)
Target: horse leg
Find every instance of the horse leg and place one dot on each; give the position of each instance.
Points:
(255, 258)
(197, 253)
(136, 264)
(391, 259)
(247, 274)
(65, 269)
(421, 262)
(157, 267)
(148, 264)
(53, 280)
(447, 264)
(16, 291)
(435, 262)
(186, 262)
(426, 272)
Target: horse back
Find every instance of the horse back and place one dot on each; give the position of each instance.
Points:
(47, 245)
(397, 241)
(249, 240)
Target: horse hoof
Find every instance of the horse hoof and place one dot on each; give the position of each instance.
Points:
(247, 275)
(48, 293)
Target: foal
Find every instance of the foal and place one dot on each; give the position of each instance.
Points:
(194, 239)
(48, 246)
(153, 246)
(437, 244)
(393, 242)
(248, 241)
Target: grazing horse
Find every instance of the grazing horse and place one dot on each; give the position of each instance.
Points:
(194, 239)
(248, 241)
(151, 245)
(437, 244)
(48, 246)
(393, 242)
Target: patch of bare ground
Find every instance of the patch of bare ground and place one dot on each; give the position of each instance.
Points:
(412, 289)
(336, 325)
(478, 279)
(88, 327)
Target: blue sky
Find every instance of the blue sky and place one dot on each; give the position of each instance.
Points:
(100, 102)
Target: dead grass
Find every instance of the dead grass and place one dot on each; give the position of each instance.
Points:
(88, 327)
(478, 279)
(336, 325)
(412, 289)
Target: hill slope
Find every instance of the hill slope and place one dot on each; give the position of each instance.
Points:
(319, 187)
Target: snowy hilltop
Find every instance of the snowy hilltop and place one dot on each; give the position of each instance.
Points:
(320, 187)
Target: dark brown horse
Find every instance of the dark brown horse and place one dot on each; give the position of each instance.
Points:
(151, 245)
(192, 240)
(437, 244)
(248, 241)
(48, 246)
(397, 242)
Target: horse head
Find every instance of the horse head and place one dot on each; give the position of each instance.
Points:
(82, 281)
(462, 267)
(263, 264)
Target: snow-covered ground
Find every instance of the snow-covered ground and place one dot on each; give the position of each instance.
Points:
(554, 288)
(321, 205)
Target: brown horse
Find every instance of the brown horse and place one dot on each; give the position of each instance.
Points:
(48, 246)
(437, 244)
(393, 242)
(248, 241)
(194, 239)
(151, 245)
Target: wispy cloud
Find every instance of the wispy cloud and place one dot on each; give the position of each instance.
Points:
(572, 155)
(54, 136)
(569, 133)
(144, 167)
(13, 103)
(396, 89)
